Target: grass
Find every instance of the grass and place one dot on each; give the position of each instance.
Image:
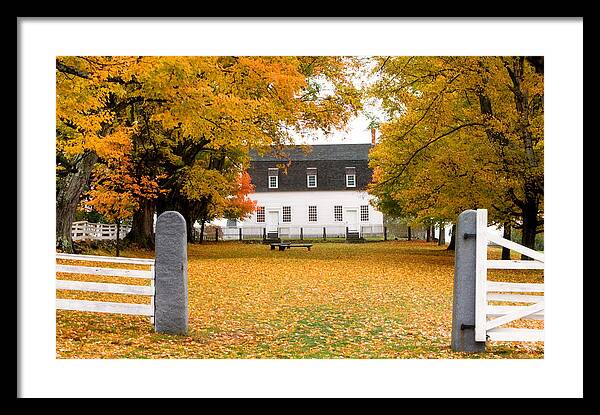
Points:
(338, 301)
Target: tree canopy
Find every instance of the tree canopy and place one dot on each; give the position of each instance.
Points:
(461, 133)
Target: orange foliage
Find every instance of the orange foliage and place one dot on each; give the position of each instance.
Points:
(241, 206)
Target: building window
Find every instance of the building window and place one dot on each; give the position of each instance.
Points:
(364, 213)
(287, 214)
(273, 178)
(350, 180)
(312, 213)
(231, 223)
(337, 213)
(260, 214)
(311, 177)
(350, 176)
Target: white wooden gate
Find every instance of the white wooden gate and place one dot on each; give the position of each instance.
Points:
(103, 306)
(489, 319)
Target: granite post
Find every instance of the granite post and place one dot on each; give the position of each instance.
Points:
(463, 305)
(171, 298)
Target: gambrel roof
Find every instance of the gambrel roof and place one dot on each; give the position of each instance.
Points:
(330, 162)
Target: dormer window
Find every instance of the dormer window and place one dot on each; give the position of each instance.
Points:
(350, 177)
(273, 178)
(350, 180)
(311, 177)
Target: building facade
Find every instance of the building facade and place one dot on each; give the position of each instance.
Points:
(312, 191)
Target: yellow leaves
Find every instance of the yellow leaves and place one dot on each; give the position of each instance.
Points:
(228, 101)
(113, 205)
(115, 144)
(201, 181)
(455, 136)
(246, 93)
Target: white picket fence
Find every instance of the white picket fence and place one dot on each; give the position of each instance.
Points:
(294, 232)
(98, 231)
(103, 306)
(489, 319)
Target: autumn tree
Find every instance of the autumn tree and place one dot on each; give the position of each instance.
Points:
(115, 191)
(182, 111)
(240, 206)
(213, 110)
(236, 205)
(462, 133)
(288, 90)
(229, 198)
(89, 93)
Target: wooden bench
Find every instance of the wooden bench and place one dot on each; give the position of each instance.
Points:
(284, 246)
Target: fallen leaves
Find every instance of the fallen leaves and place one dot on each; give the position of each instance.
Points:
(371, 300)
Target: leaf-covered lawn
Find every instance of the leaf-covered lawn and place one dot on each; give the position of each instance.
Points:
(370, 300)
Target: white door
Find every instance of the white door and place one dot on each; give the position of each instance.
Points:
(272, 220)
(351, 219)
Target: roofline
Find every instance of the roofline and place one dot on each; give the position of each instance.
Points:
(281, 157)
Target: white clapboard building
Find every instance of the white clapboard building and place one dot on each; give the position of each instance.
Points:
(310, 191)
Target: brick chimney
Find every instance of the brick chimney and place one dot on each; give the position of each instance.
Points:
(372, 136)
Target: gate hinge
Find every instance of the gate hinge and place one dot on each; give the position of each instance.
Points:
(469, 235)
(467, 326)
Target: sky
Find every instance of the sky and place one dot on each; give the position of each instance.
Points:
(357, 132)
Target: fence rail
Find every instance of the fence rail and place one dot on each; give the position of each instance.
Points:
(83, 230)
(85, 286)
(490, 318)
(167, 275)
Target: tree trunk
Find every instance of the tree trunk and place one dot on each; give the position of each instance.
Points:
(178, 203)
(142, 226)
(118, 236)
(506, 235)
(442, 238)
(530, 223)
(186, 209)
(202, 222)
(533, 186)
(428, 234)
(409, 234)
(452, 244)
(68, 193)
(189, 222)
